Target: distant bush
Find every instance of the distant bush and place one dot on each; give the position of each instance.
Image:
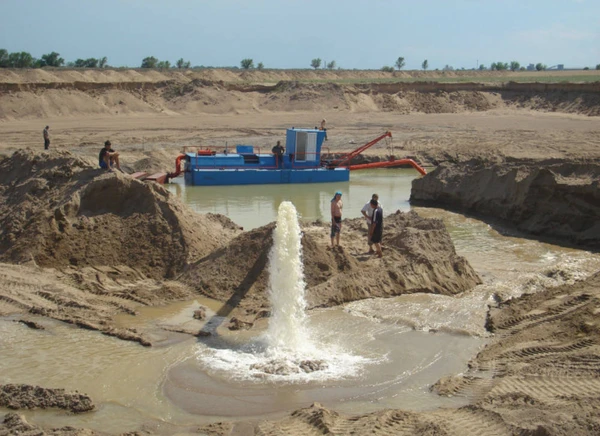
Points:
(499, 66)
(247, 64)
(147, 62)
(51, 60)
(387, 69)
(598, 67)
(182, 64)
(400, 63)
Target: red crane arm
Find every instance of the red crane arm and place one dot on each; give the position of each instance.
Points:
(348, 157)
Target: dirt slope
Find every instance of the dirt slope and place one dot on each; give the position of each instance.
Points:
(59, 211)
(419, 257)
(30, 94)
(554, 199)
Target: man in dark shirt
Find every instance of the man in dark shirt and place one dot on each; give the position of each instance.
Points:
(108, 157)
(278, 151)
(376, 227)
(46, 138)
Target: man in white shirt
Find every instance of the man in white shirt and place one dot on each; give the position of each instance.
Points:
(367, 212)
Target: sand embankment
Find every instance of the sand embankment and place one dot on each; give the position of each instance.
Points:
(54, 92)
(419, 257)
(558, 200)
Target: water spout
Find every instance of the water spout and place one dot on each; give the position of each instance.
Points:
(287, 326)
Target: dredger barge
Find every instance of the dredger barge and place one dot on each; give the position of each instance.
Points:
(302, 162)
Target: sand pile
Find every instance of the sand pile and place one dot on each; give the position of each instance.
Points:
(419, 257)
(554, 199)
(57, 210)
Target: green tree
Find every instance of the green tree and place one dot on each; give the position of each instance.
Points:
(598, 67)
(425, 65)
(499, 66)
(149, 62)
(3, 58)
(482, 67)
(102, 63)
(163, 64)
(260, 66)
(540, 67)
(182, 64)
(20, 60)
(315, 63)
(247, 63)
(514, 66)
(448, 68)
(400, 63)
(87, 63)
(331, 65)
(51, 60)
(387, 69)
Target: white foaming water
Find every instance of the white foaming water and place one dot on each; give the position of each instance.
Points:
(285, 352)
(287, 326)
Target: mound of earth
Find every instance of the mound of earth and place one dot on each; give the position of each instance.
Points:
(35, 397)
(419, 256)
(559, 200)
(58, 211)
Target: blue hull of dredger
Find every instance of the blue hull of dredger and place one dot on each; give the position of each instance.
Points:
(301, 163)
(207, 177)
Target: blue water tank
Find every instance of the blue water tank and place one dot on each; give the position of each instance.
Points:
(244, 149)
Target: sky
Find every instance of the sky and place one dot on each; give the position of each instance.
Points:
(356, 34)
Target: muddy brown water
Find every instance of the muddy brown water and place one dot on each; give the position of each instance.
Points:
(391, 350)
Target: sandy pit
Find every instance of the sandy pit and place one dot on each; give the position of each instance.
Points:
(82, 247)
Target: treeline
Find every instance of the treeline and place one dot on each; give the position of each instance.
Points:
(22, 59)
(26, 60)
(494, 66)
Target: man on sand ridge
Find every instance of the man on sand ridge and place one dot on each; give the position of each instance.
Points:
(108, 157)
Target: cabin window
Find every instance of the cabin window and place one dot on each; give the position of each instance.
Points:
(306, 146)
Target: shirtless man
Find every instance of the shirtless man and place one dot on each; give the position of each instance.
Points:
(336, 219)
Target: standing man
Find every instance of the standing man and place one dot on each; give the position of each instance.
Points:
(367, 212)
(376, 227)
(336, 219)
(322, 127)
(278, 151)
(46, 138)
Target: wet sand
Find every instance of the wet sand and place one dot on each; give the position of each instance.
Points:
(536, 376)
